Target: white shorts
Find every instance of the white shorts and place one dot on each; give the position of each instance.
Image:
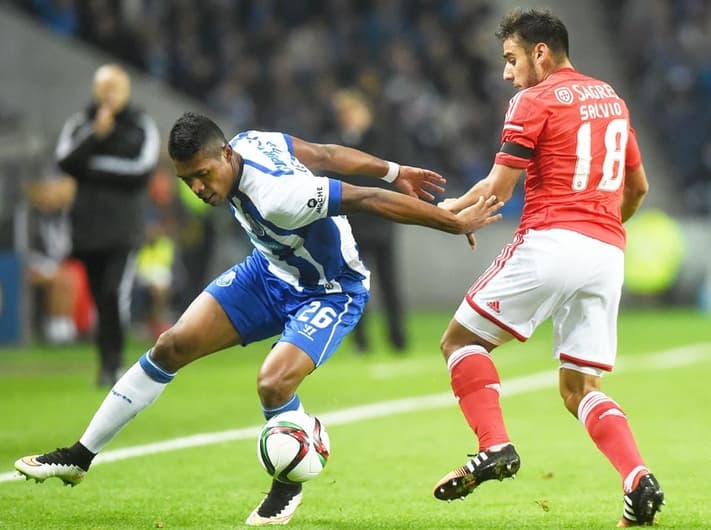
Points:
(574, 279)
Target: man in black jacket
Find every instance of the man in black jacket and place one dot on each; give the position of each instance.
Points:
(376, 237)
(111, 149)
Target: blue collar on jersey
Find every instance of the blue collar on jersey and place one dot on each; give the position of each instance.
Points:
(238, 176)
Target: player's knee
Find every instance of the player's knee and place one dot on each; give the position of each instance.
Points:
(574, 385)
(273, 389)
(449, 343)
(167, 352)
(447, 346)
(571, 400)
(573, 395)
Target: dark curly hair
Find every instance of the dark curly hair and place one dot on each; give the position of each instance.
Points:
(193, 133)
(531, 26)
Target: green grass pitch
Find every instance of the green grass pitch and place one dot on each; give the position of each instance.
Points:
(383, 463)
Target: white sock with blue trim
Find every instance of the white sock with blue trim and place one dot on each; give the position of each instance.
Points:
(293, 404)
(137, 388)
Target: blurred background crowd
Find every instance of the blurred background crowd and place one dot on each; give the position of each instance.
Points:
(665, 46)
(269, 63)
(425, 72)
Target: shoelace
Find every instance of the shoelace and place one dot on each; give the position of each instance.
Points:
(58, 456)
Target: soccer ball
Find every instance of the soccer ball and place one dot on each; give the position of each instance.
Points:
(293, 447)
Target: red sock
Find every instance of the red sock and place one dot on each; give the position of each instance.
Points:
(608, 427)
(476, 385)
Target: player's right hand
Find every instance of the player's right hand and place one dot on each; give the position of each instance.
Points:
(418, 182)
(480, 214)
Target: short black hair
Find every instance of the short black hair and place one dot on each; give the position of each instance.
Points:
(532, 26)
(193, 133)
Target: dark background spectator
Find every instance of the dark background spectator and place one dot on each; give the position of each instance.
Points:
(668, 64)
(357, 126)
(111, 149)
(252, 61)
(424, 64)
(64, 310)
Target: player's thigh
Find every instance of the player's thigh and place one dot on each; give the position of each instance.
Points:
(317, 326)
(255, 301)
(585, 324)
(516, 293)
(202, 329)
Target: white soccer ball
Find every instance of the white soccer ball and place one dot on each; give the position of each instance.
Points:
(293, 446)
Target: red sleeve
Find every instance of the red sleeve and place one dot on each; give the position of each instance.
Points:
(523, 124)
(633, 157)
(508, 160)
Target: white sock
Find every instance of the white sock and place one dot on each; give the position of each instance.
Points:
(129, 396)
(60, 330)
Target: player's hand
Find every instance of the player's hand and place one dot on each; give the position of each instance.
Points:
(478, 215)
(418, 182)
(104, 121)
(449, 205)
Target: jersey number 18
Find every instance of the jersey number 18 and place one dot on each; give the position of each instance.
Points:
(613, 167)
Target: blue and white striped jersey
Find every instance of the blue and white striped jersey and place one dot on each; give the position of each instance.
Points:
(291, 217)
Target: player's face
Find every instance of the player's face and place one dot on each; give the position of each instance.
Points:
(519, 67)
(209, 177)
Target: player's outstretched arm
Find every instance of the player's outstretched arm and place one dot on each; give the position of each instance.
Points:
(409, 210)
(412, 181)
(500, 181)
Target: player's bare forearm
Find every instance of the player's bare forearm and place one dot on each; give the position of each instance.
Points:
(343, 160)
(338, 159)
(500, 182)
(408, 210)
(480, 189)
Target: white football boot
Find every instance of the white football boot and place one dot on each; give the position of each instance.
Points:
(278, 506)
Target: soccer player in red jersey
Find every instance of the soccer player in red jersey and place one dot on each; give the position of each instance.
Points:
(571, 133)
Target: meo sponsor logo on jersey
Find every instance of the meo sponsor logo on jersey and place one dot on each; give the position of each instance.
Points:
(564, 95)
(318, 201)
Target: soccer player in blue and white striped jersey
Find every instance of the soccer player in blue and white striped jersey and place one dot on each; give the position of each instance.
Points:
(304, 282)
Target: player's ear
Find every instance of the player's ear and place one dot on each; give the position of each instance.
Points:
(540, 51)
(227, 151)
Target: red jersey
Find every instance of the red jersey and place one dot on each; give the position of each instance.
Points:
(572, 134)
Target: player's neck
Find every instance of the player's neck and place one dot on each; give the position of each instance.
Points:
(237, 170)
(555, 67)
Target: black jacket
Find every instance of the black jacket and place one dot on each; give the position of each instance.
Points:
(112, 176)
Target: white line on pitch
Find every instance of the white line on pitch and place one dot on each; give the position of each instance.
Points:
(519, 385)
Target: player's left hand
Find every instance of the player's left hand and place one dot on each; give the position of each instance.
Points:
(418, 182)
(450, 205)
